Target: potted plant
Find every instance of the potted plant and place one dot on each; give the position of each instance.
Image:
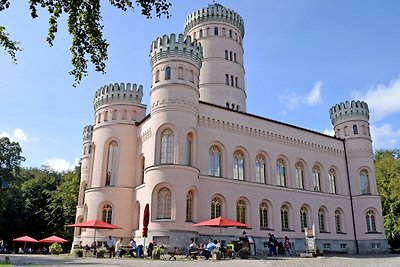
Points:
(55, 249)
(216, 254)
(244, 253)
(156, 253)
(100, 252)
(78, 253)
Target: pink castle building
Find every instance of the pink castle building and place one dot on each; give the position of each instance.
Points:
(199, 155)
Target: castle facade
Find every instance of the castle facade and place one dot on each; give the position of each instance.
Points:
(199, 155)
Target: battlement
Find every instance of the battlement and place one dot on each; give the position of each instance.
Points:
(118, 93)
(214, 12)
(168, 46)
(87, 133)
(349, 110)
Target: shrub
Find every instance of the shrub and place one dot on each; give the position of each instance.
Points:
(55, 248)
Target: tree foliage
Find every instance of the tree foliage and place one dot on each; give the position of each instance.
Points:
(84, 25)
(40, 202)
(387, 169)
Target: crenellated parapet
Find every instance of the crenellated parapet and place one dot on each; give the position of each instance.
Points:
(349, 110)
(118, 93)
(168, 46)
(87, 133)
(214, 12)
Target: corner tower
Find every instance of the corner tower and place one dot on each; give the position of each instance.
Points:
(351, 123)
(220, 31)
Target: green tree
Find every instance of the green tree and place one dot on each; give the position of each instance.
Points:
(10, 199)
(387, 170)
(83, 18)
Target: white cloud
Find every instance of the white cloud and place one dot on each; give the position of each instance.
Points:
(385, 137)
(18, 136)
(382, 100)
(330, 132)
(294, 100)
(60, 165)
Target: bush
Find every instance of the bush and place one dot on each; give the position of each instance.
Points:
(157, 253)
(55, 248)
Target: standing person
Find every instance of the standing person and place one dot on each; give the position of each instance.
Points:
(111, 246)
(132, 245)
(286, 246)
(119, 248)
(272, 242)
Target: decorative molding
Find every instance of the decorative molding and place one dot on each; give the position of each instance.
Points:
(144, 136)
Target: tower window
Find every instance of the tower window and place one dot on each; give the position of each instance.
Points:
(230, 33)
(230, 56)
(232, 80)
(226, 54)
(236, 81)
(216, 31)
(234, 57)
(355, 129)
(168, 73)
(227, 79)
(180, 73)
(201, 33)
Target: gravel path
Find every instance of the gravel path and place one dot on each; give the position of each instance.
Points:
(385, 260)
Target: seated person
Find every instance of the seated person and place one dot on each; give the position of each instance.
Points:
(132, 248)
(111, 246)
(119, 248)
(192, 247)
(210, 247)
(150, 248)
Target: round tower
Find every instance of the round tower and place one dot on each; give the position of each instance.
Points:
(351, 123)
(112, 165)
(220, 32)
(176, 61)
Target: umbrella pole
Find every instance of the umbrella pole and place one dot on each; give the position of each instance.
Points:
(144, 244)
(94, 238)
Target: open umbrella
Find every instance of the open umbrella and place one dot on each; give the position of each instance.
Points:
(146, 219)
(95, 224)
(53, 239)
(25, 239)
(220, 222)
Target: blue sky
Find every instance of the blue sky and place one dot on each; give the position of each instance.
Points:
(301, 58)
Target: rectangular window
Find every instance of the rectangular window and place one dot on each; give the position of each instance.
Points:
(343, 246)
(327, 246)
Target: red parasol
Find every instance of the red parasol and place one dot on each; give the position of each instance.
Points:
(221, 222)
(95, 224)
(53, 239)
(25, 239)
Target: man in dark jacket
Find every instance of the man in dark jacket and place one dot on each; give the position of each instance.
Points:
(272, 243)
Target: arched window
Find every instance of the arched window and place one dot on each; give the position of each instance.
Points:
(215, 208)
(280, 172)
(346, 131)
(321, 220)
(226, 55)
(84, 194)
(112, 163)
(303, 218)
(332, 181)
(238, 165)
(167, 147)
(299, 175)
(114, 114)
(216, 31)
(201, 33)
(142, 166)
(99, 118)
(191, 76)
(234, 57)
(164, 204)
(157, 78)
(124, 114)
(232, 80)
(236, 82)
(241, 211)
(214, 161)
(168, 73)
(106, 116)
(189, 148)
(364, 182)
(227, 79)
(338, 221)
(230, 56)
(285, 217)
(264, 215)
(180, 73)
(260, 169)
(370, 220)
(189, 206)
(107, 213)
(317, 178)
(355, 129)
(230, 33)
